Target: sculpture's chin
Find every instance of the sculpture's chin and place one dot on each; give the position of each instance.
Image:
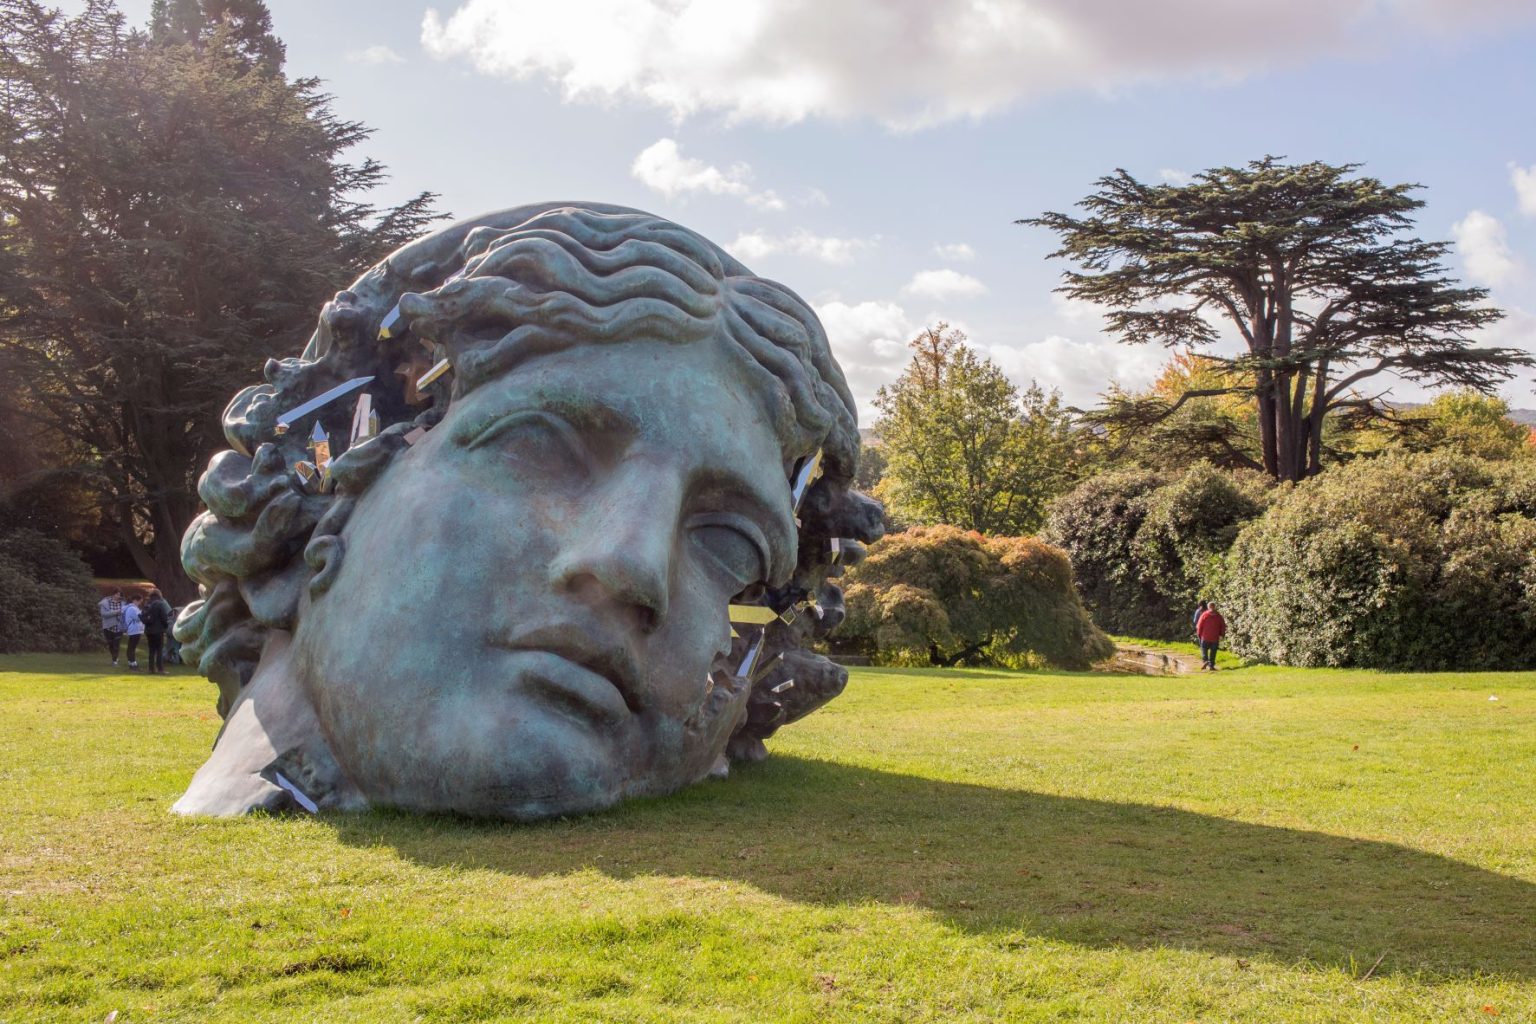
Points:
(272, 753)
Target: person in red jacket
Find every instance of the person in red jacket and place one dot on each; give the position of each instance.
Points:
(1210, 628)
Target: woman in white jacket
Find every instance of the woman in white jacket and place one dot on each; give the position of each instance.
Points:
(133, 626)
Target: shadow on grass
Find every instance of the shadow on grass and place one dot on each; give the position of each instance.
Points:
(1017, 864)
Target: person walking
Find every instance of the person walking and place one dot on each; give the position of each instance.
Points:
(111, 610)
(1194, 620)
(133, 626)
(157, 622)
(1210, 628)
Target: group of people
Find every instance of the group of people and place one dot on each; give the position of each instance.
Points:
(145, 617)
(1210, 627)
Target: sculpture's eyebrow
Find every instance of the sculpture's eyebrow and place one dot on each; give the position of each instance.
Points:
(604, 430)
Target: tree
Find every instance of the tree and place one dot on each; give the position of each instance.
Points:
(242, 26)
(963, 447)
(1307, 263)
(1470, 423)
(173, 210)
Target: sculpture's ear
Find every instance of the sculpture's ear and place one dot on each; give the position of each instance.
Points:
(324, 555)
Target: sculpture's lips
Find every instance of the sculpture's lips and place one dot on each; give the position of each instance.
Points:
(569, 666)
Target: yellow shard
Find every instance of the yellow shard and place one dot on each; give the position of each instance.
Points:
(755, 614)
(439, 368)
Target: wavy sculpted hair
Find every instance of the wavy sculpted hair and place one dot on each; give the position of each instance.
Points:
(490, 293)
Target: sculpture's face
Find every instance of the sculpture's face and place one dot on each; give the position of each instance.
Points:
(531, 598)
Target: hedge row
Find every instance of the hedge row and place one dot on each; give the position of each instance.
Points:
(1407, 562)
(47, 600)
(1410, 562)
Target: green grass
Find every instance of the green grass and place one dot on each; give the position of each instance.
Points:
(1259, 845)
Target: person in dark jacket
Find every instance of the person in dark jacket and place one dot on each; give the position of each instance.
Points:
(1210, 628)
(157, 622)
(1194, 620)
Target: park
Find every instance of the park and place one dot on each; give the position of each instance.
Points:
(801, 579)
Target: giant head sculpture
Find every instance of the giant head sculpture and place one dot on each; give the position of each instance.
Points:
(564, 540)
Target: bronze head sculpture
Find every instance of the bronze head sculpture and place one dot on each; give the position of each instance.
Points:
(568, 544)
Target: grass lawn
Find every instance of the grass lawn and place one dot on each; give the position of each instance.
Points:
(1257, 845)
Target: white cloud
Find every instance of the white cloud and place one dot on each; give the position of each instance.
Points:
(1524, 180)
(374, 55)
(663, 167)
(912, 64)
(869, 340)
(1082, 370)
(1484, 250)
(1174, 176)
(955, 252)
(754, 245)
(944, 284)
(1077, 311)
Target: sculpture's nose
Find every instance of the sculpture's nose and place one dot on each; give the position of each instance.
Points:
(619, 550)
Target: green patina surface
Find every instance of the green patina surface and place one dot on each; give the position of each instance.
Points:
(1258, 845)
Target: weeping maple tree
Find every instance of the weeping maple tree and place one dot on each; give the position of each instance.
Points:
(1308, 263)
(173, 211)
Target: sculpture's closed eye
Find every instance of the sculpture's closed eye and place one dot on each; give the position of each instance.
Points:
(733, 546)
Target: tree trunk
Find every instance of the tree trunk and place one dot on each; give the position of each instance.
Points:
(1267, 425)
(169, 575)
(955, 659)
(1315, 416)
(159, 561)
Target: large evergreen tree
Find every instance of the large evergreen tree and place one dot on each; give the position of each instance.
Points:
(1308, 263)
(173, 211)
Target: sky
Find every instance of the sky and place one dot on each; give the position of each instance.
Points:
(873, 155)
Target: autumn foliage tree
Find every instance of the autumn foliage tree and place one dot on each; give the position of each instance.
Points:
(943, 596)
(1307, 263)
(173, 211)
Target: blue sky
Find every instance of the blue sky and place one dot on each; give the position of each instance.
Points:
(873, 154)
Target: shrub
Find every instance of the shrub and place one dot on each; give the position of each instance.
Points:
(1414, 562)
(1145, 547)
(1096, 524)
(1189, 524)
(943, 596)
(47, 600)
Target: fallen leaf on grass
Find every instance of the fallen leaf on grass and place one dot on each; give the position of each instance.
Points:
(1490, 1011)
(344, 913)
(828, 982)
